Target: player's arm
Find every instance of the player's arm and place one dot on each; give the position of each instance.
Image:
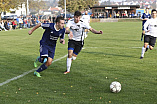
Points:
(34, 28)
(146, 25)
(143, 18)
(95, 31)
(67, 30)
(62, 41)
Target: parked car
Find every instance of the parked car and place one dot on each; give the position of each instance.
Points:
(11, 17)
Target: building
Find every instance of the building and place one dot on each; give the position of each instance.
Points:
(106, 11)
(18, 12)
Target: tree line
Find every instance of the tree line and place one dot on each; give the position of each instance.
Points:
(36, 5)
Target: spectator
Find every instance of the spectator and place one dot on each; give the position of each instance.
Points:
(6, 25)
(20, 23)
(2, 26)
(25, 23)
(14, 24)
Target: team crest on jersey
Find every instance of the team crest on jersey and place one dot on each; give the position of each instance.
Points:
(76, 28)
(60, 34)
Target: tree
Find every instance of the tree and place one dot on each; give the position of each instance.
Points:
(73, 5)
(6, 5)
(34, 5)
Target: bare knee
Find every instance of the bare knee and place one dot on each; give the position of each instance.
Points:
(49, 62)
(69, 55)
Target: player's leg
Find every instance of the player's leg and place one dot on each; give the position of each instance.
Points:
(69, 61)
(143, 33)
(73, 55)
(86, 32)
(143, 50)
(43, 56)
(43, 59)
(71, 47)
(146, 42)
(152, 43)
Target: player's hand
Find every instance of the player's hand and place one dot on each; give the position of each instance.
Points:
(101, 32)
(62, 41)
(30, 32)
(70, 35)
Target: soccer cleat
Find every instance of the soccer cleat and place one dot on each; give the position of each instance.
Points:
(66, 72)
(141, 57)
(37, 74)
(35, 62)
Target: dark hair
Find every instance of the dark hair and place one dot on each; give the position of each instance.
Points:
(153, 10)
(77, 13)
(59, 18)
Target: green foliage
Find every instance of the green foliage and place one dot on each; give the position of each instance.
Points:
(112, 56)
(5, 5)
(73, 5)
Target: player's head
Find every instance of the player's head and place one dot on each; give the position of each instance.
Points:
(77, 16)
(60, 22)
(86, 12)
(147, 9)
(154, 13)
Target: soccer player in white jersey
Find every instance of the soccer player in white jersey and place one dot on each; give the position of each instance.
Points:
(86, 19)
(150, 33)
(76, 39)
(53, 31)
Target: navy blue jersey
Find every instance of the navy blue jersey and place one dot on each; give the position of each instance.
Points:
(144, 15)
(51, 35)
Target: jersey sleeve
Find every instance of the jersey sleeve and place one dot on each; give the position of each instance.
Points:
(87, 26)
(63, 34)
(149, 16)
(142, 17)
(146, 25)
(45, 25)
(68, 24)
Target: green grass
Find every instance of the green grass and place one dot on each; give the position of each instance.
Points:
(113, 56)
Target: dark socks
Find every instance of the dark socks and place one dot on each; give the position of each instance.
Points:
(41, 68)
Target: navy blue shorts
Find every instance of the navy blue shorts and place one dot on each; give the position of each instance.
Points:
(48, 51)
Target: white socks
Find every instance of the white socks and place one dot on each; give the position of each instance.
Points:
(68, 64)
(143, 51)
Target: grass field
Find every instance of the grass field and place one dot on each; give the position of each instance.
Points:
(113, 56)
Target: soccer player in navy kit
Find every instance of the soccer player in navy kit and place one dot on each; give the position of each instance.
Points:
(76, 42)
(145, 17)
(53, 31)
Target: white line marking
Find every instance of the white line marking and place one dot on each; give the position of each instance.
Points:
(120, 47)
(25, 73)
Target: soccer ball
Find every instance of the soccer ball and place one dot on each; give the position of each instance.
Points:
(115, 87)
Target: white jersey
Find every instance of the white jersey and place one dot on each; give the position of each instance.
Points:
(86, 18)
(77, 29)
(152, 27)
